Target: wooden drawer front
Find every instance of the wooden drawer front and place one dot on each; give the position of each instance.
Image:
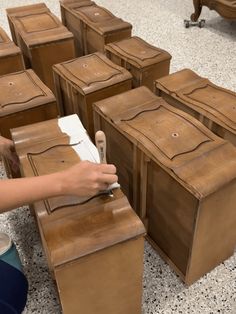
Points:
(38, 23)
(19, 88)
(81, 235)
(144, 61)
(42, 38)
(21, 118)
(85, 80)
(214, 106)
(24, 99)
(11, 64)
(172, 164)
(95, 25)
(11, 59)
(174, 129)
(27, 116)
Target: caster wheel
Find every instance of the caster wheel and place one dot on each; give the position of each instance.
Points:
(186, 23)
(201, 23)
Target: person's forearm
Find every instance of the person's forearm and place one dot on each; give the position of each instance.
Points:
(28, 190)
(84, 179)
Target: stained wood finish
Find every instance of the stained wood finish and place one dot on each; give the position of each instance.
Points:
(84, 80)
(145, 62)
(42, 38)
(225, 8)
(93, 26)
(95, 249)
(24, 99)
(179, 177)
(214, 106)
(11, 59)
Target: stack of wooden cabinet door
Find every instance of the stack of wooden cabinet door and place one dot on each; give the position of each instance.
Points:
(214, 106)
(24, 99)
(42, 38)
(11, 59)
(85, 80)
(145, 62)
(93, 26)
(94, 247)
(178, 175)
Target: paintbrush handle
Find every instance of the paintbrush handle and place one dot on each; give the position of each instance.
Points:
(100, 140)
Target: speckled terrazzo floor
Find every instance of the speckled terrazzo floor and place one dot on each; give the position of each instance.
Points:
(211, 52)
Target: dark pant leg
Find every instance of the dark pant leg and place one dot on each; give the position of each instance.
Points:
(13, 289)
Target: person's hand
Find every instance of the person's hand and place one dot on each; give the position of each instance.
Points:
(7, 150)
(87, 178)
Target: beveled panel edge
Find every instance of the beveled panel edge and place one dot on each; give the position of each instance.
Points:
(182, 117)
(210, 109)
(61, 68)
(164, 55)
(45, 13)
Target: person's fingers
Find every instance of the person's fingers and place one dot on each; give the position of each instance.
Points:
(108, 178)
(107, 168)
(104, 186)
